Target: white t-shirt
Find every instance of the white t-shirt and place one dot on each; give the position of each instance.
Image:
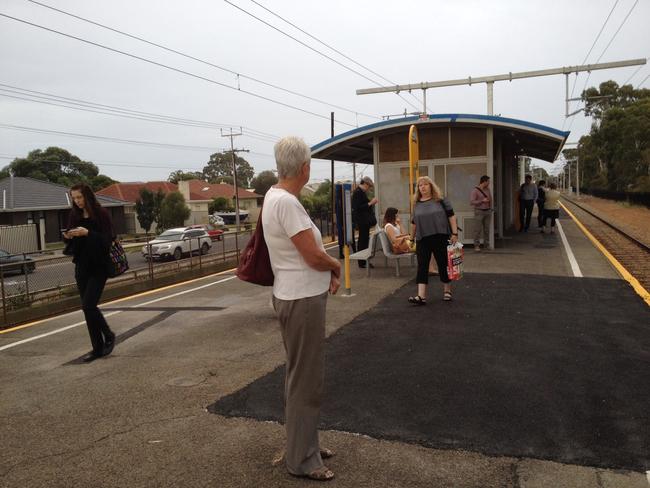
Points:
(282, 218)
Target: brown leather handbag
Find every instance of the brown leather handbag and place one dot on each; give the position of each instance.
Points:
(254, 262)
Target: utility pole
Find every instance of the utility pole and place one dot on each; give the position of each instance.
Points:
(234, 175)
(332, 202)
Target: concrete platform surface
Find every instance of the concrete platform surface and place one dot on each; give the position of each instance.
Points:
(139, 417)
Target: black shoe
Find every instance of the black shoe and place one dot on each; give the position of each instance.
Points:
(90, 357)
(109, 343)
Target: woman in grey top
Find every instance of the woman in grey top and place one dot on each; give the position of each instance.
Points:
(433, 222)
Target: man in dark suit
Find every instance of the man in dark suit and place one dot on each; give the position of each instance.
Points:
(363, 213)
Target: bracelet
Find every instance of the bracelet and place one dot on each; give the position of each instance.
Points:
(454, 233)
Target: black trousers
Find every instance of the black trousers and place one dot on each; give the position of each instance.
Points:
(540, 214)
(436, 245)
(91, 285)
(364, 239)
(551, 214)
(526, 209)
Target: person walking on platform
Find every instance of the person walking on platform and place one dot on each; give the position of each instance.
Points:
(89, 235)
(551, 206)
(527, 198)
(304, 274)
(434, 225)
(481, 200)
(363, 214)
(541, 197)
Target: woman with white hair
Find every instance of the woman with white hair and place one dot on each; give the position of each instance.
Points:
(304, 274)
(434, 225)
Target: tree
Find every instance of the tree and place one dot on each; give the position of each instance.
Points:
(180, 175)
(173, 211)
(59, 166)
(158, 198)
(263, 181)
(220, 204)
(614, 155)
(219, 168)
(144, 209)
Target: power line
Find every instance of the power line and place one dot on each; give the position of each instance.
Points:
(642, 82)
(633, 75)
(591, 48)
(309, 47)
(177, 70)
(188, 56)
(117, 114)
(108, 139)
(329, 47)
(607, 47)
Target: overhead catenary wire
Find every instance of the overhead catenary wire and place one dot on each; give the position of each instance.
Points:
(310, 47)
(208, 63)
(171, 68)
(642, 82)
(591, 49)
(607, 47)
(328, 46)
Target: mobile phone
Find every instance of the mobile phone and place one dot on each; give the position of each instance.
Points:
(63, 231)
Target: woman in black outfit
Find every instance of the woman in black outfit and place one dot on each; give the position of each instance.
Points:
(90, 233)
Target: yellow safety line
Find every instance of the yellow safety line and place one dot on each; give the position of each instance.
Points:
(638, 288)
(137, 295)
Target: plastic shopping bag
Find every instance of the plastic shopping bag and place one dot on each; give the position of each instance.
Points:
(455, 261)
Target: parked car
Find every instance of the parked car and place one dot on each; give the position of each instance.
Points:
(16, 263)
(176, 243)
(214, 233)
(217, 220)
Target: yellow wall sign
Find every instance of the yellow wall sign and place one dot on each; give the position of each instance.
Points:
(414, 160)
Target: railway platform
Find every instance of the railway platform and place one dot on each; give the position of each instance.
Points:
(535, 375)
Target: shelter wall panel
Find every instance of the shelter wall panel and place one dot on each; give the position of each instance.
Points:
(394, 147)
(434, 143)
(468, 141)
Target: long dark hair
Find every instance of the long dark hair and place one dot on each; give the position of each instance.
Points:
(94, 209)
(390, 216)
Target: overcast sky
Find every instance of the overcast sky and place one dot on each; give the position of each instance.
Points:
(405, 42)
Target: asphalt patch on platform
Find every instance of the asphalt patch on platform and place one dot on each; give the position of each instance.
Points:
(517, 365)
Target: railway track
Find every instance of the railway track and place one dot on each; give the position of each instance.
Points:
(632, 253)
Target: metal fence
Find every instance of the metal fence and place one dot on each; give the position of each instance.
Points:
(31, 282)
(19, 238)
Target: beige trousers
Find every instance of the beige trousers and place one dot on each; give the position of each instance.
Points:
(302, 323)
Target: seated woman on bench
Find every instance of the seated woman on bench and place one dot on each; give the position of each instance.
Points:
(400, 241)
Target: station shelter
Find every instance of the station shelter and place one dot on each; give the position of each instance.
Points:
(455, 150)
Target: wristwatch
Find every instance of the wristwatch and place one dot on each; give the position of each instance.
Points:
(454, 233)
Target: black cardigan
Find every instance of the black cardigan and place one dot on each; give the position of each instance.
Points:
(91, 253)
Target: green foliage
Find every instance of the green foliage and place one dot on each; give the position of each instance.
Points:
(616, 153)
(158, 198)
(181, 175)
(219, 169)
(173, 211)
(220, 204)
(57, 165)
(324, 188)
(263, 181)
(144, 209)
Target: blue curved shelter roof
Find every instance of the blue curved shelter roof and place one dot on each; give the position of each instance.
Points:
(536, 140)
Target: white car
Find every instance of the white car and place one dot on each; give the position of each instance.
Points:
(217, 220)
(177, 242)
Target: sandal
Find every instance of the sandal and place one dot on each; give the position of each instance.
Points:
(417, 300)
(278, 459)
(321, 474)
(447, 296)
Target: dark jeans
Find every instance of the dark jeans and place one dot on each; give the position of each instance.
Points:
(364, 239)
(525, 208)
(540, 214)
(90, 286)
(436, 245)
(551, 214)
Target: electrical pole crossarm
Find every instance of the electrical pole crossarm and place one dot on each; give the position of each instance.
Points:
(503, 77)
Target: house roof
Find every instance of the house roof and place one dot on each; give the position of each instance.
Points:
(202, 190)
(130, 192)
(25, 194)
(529, 138)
